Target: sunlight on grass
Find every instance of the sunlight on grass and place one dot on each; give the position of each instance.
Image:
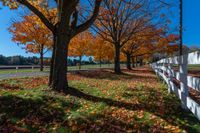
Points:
(100, 103)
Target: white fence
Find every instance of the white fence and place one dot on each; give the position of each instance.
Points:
(21, 67)
(164, 69)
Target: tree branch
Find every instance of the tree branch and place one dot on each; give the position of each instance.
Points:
(48, 24)
(90, 21)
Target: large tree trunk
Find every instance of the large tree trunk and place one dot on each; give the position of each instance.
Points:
(117, 60)
(128, 61)
(41, 57)
(52, 61)
(133, 62)
(59, 77)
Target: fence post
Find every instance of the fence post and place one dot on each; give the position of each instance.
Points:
(170, 78)
(163, 72)
(183, 70)
(155, 65)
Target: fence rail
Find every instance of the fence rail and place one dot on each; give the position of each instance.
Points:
(164, 69)
(21, 67)
(77, 67)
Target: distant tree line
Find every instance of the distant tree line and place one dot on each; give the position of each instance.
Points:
(21, 60)
(18, 60)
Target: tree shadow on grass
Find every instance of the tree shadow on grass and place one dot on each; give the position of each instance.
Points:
(148, 106)
(168, 107)
(34, 114)
(106, 123)
(106, 74)
(135, 70)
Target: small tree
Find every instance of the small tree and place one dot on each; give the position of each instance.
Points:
(142, 42)
(32, 33)
(80, 45)
(102, 50)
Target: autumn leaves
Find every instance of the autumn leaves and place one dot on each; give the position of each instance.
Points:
(108, 30)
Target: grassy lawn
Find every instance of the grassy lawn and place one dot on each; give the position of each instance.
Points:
(98, 102)
(194, 67)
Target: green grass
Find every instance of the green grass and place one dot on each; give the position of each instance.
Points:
(20, 71)
(98, 102)
(191, 67)
(194, 67)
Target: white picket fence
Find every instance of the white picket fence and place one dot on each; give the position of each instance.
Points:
(164, 69)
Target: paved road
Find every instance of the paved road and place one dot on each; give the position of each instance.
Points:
(23, 74)
(33, 74)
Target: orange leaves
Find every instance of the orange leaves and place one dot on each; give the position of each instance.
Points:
(80, 44)
(168, 44)
(32, 33)
(102, 50)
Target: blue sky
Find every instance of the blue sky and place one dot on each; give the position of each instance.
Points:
(191, 28)
(191, 22)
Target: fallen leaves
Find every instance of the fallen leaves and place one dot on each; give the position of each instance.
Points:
(131, 102)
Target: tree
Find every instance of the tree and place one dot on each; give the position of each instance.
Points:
(65, 28)
(120, 20)
(102, 50)
(141, 43)
(80, 45)
(32, 33)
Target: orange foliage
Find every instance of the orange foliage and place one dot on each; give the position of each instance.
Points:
(80, 44)
(102, 50)
(32, 33)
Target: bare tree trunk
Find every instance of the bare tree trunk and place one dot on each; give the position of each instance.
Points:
(133, 62)
(117, 59)
(141, 62)
(59, 78)
(80, 61)
(41, 57)
(136, 61)
(100, 62)
(128, 61)
(52, 61)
